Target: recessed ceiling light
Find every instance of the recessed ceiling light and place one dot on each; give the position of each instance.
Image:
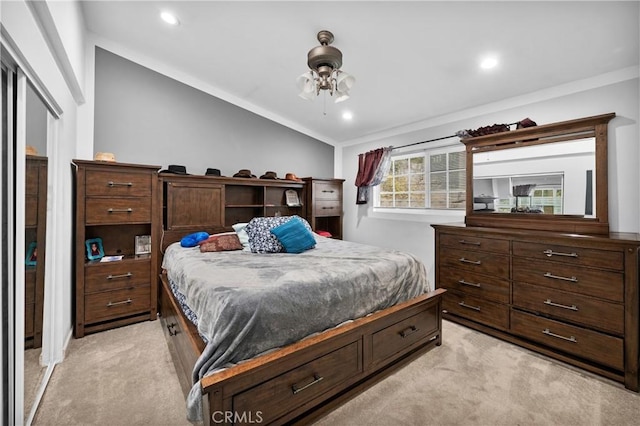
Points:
(488, 63)
(169, 18)
(347, 115)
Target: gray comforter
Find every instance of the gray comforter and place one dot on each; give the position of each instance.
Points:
(248, 303)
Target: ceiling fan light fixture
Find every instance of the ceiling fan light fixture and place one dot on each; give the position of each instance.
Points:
(324, 73)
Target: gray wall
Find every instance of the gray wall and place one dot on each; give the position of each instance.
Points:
(147, 118)
(36, 122)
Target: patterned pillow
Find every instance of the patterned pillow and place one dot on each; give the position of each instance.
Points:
(261, 239)
(221, 242)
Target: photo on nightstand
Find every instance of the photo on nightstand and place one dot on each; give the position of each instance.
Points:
(94, 248)
(143, 244)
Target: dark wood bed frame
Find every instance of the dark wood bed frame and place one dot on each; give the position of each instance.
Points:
(300, 382)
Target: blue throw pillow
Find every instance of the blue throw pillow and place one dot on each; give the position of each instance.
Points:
(294, 236)
(192, 240)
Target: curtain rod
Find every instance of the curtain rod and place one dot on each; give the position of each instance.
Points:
(438, 139)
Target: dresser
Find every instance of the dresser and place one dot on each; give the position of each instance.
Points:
(324, 205)
(35, 240)
(569, 296)
(114, 204)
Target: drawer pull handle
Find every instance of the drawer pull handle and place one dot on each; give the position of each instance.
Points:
(172, 332)
(471, 243)
(127, 275)
(558, 305)
(129, 210)
(463, 282)
(568, 339)
(330, 191)
(550, 253)
(124, 302)
(473, 262)
(316, 378)
(327, 208)
(464, 305)
(408, 331)
(558, 277)
(112, 184)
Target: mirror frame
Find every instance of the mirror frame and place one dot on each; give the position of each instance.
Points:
(595, 126)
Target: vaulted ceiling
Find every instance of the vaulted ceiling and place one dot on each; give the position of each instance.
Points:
(412, 60)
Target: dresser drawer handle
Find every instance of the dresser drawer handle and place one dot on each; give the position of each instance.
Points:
(473, 262)
(316, 378)
(568, 339)
(464, 305)
(558, 305)
(129, 210)
(112, 184)
(127, 275)
(408, 331)
(463, 282)
(550, 253)
(330, 191)
(471, 243)
(558, 277)
(328, 208)
(124, 302)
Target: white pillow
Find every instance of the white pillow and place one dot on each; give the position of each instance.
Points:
(242, 235)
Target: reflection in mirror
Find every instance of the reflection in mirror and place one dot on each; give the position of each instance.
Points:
(35, 236)
(555, 178)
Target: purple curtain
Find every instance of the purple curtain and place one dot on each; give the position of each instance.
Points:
(370, 171)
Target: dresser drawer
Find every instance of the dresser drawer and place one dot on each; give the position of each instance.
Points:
(117, 183)
(401, 335)
(107, 211)
(327, 191)
(471, 283)
(476, 309)
(591, 282)
(275, 397)
(478, 262)
(570, 255)
(466, 242)
(578, 309)
(327, 208)
(587, 344)
(118, 303)
(115, 275)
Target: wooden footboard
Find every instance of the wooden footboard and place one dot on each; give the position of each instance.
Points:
(303, 381)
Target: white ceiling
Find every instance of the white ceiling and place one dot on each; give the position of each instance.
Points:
(412, 60)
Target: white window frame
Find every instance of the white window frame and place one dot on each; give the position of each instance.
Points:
(386, 211)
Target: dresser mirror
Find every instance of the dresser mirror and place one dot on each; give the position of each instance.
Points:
(548, 177)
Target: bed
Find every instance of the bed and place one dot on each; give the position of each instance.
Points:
(281, 338)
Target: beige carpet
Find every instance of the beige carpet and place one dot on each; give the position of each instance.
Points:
(472, 379)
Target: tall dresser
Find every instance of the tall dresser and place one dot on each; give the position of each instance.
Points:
(35, 236)
(549, 275)
(324, 205)
(114, 204)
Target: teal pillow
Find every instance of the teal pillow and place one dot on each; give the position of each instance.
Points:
(294, 236)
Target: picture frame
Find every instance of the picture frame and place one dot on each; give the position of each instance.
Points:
(143, 244)
(291, 196)
(94, 248)
(32, 254)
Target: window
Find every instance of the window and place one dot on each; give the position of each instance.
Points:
(429, 179)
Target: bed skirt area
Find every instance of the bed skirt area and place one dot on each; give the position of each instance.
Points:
(302, 381)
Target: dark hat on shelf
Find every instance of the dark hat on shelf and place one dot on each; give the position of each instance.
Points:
(212, 172)
(269, 175)
(175, 169)
(244, 173)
